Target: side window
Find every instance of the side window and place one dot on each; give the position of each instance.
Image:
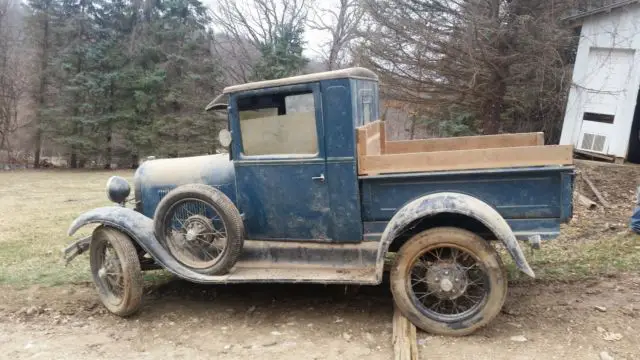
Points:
(278, 124)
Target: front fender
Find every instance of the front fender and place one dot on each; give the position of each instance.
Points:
(140, 229)
(452, 203)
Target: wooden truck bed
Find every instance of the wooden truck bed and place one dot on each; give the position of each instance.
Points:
(378, 156)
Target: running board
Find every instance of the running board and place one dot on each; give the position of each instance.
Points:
(303, 253)
(296, 274)
(303, 262)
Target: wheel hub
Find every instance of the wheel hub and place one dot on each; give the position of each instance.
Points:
(196, 226)
(446, 280)
(102, 273)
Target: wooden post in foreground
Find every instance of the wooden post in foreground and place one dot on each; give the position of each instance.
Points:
(405, 345)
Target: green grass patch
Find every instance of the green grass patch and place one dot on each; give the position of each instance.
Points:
(611, 254)
(36, 210)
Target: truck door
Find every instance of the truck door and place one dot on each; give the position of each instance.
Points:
(280, 163)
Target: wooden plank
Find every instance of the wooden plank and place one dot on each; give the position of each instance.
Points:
(405, 344)
(467, 159)
(383, 139)
(464, 143)
(585, 201)
(361, 145)
(373, 144)
(596, 192)
(594, 155)
(361, 141)
(372, 138)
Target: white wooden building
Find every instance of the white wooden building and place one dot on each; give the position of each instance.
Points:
(601, 117)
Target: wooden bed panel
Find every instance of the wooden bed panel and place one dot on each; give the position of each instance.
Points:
(371, 138)
(465, 143)
(466, 159)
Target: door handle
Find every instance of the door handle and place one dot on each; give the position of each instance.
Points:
(319, 178)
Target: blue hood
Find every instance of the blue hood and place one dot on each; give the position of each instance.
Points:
(155, 178)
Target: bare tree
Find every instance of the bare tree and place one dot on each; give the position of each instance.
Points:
(505, 61)
(237, 54)
(245, 26)
(41, 36)
(342, 24)
(13, 71)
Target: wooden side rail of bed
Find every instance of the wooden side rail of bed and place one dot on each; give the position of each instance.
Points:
(376, 155)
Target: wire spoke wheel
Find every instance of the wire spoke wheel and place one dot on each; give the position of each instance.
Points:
(201, 227)
(448, 281)
(195, 233)
(116, 272)
(111, 272)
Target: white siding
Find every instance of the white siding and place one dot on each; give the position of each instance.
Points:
(606, 79)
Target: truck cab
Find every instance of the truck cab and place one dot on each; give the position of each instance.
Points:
(310, 190)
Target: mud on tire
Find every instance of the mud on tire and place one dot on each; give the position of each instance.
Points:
(448, 281)
(116, 272)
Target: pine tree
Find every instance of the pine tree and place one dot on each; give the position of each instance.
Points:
(283, 56)
(131, 79)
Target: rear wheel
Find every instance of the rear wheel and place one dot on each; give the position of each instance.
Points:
(116, 271)
(448, 281)
(201, 228)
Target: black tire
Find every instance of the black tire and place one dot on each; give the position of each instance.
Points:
(223, 206)
(115, 268)
(461, 246)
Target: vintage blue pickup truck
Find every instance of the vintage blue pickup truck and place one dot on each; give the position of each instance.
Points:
(311, 191)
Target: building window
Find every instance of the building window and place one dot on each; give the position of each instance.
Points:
(601, 118)
(278, 124)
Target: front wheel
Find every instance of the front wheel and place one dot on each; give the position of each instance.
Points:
(116, 272)
(448, 281)
(201, 228)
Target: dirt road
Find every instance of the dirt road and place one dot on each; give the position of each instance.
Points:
(183, 320)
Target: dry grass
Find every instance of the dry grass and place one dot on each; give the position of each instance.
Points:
(36, 208)
(559, 260)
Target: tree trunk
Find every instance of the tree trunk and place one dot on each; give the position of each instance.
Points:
(73, 162)
(134, 161)
(38, 149)
(77, 128)
(44, 62)
(493, 108)
(412, 128)
(495, 101)
(108, 156)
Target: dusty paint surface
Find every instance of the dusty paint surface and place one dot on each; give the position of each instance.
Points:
(155, 178)
(532, 200)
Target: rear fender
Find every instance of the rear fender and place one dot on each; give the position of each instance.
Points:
(140, 229)
(452, 203)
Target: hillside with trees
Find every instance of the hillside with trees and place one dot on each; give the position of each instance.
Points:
(106, 83)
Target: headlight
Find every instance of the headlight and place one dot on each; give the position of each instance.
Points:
(118, 189)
